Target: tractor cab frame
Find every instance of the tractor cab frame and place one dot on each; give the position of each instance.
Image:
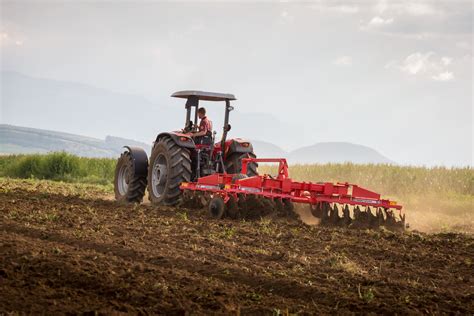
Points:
(192, 105)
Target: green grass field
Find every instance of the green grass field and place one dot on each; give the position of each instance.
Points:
(435, 199)
(59, 166)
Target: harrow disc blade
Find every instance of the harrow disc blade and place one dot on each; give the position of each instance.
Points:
(289, 207)
(325, 213)
(232, 208)
(269, 204)
(279, 207)
(372, 220)
(190, 199)
(255, 206)
(316, 210)
(346, 216)
(334, 218)
(217, 207)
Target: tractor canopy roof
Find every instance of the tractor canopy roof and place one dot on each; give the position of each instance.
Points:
(202, 95)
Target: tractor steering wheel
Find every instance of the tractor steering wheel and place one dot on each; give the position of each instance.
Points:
(189, 127)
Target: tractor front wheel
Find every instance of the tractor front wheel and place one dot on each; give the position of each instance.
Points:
(129, 186)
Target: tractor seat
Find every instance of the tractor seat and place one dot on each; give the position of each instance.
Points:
(203, 140)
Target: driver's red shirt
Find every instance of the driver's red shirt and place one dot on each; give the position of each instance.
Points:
(205, 125)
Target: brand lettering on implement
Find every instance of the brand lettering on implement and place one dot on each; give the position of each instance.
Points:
(367, 201)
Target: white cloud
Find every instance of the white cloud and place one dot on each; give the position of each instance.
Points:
(341, 9)
(347, 9)
(378, 21)
(343, 61)
(463, 45)
(444, 76)
(416, 63)
(446, 61)
(286, 16)
(381, 6)
(410, 7)
(3, 38)
(424, 64)
(7, 39)
(419, 9)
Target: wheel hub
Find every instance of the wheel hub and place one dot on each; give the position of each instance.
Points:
(123, 179)
(159, 176)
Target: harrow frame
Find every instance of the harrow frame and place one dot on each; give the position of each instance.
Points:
(283, 188)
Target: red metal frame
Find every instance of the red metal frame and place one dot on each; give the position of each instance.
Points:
(283, 187)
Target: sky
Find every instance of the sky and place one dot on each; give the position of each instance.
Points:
(392, 75)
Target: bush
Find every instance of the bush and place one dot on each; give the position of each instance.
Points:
(60, 166)
(26, 167)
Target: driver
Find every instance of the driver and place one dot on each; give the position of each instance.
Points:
(205, 128)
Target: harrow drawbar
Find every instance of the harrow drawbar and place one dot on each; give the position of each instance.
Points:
(339, 204)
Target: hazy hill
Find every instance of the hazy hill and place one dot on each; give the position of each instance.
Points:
(15, 139)
(337, 152)
(265, 149)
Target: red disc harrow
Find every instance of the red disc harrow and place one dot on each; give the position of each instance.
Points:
(336, 204)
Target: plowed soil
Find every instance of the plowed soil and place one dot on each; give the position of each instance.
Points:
(68, 248)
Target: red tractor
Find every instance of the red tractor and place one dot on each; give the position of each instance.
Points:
(177, 157)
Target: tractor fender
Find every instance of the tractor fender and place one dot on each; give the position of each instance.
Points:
(239, 145)
(182, 140)
(140, 160)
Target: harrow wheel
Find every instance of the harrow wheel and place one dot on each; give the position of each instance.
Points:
(217, 207)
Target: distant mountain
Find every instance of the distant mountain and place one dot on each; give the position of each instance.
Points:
(337, 152)
(267, 150)
(83, 109)
(15, 139)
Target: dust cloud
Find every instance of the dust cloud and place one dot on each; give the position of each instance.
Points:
(304, 212)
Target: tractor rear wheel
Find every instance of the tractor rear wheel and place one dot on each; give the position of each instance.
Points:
(233, 164)
(170, 165)
(128, 185)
